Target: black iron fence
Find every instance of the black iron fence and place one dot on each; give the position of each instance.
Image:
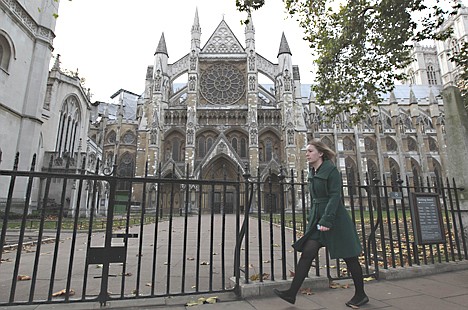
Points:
(73, 237)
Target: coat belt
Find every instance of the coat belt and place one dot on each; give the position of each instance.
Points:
(319, 200)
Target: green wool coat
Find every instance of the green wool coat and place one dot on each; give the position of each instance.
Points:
(327, 209)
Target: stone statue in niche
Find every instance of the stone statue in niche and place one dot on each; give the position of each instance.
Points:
(290, 136)
(253, 136)
(157, 81)
(192, 81)
(251, 83)
(190, 133)
(193, 61)
(251, 61)
(287, 80)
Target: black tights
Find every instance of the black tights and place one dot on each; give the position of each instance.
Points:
(309, 252)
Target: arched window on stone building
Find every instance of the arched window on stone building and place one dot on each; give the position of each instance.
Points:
(178, 150)
(387, 122)
(209, 143)
(70, 122)
(268, 150)
(391, 144)
(204, 143)
(394, 173)
(5, 53)
(411, 77)
(433, 147)
(111, 137)
(412, 145)
(351, 175)
(417, 175)
(201, 147)
(243, 148)
(239, 143)
(372, 170)
(454, 46)
(369, 144)
(437, 169)
(126, 169)
(348, 144)
(234, 144)
(329, 142)
(431, 75)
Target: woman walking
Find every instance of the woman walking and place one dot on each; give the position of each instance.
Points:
(328, 224)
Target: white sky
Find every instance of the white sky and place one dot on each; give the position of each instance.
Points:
(112, 42)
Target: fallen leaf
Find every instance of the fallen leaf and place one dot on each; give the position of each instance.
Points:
(23, 278)
(307, 291)
(63, 292)
(334, 285)
(211, 300)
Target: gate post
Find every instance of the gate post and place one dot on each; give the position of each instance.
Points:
(457, 141)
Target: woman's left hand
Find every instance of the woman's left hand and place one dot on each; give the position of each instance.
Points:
(322, 228)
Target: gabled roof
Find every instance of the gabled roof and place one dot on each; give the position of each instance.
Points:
(223, 41)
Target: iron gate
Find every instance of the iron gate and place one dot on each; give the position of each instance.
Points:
(179, 236)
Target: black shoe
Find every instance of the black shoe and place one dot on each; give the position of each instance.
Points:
(285, 296)
(358, 303)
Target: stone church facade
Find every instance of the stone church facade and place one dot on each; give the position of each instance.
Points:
(223, 120)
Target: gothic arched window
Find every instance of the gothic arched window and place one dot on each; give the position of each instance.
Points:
(126, 169)
(111, 137)
(391, 145)
(176, 150)
(70, 120)
(201, 147)
(348, 144)
(328, 142)
(431, 75)
(5, 53)
(369, 144)
(209, 143)
(433, 145)
(268, 150)
(234, 144)
(412, 145)
(243, 150)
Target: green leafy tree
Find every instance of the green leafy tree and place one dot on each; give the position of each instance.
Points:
(362, 46)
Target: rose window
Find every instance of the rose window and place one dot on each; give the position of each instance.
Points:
(222, 84)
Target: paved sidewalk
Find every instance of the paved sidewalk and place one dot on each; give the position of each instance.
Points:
(448, 290)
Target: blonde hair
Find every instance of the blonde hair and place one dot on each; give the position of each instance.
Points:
(328, 153)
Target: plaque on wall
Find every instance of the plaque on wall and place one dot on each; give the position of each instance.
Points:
(428, 225)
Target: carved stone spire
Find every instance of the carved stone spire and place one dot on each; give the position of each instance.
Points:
(284, 46)
(196, 32)
(162, 49)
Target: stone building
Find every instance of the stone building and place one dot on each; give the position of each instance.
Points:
(44, 110)
(223, 120)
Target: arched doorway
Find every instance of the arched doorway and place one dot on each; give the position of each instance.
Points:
(219, 198)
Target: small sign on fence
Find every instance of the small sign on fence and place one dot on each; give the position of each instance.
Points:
(427, 221)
